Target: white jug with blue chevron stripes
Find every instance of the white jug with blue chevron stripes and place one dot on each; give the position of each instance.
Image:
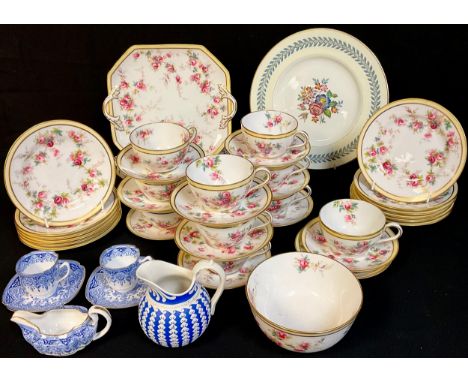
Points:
(176, 309)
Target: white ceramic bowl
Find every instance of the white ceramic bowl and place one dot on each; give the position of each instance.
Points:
(220, 182)
(355, 225)
(162, 146)
(270, 133)
(304, 302)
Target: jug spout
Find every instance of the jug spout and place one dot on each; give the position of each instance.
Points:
(165, 279)
(23, 318)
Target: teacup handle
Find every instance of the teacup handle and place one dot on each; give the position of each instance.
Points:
(226, 95)
(93, 313)
(305, 137)
(301, 168)
(116, 121)
(144, 259)
(263, 183)
(193, 133)
(309, 192)
(212, 266)
(395, 236)
(268, 222)
(65, 264)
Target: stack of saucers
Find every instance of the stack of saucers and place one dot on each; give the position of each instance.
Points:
(60, 175)
(271, 139)
(407, 214)
(223, 206)
(154, 164)
(410, 154)
(354, 233)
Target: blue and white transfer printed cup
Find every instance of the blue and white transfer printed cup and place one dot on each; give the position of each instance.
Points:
(119, 264)
(40, 273)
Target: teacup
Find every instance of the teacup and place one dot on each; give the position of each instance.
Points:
(271, 133)
(220, 182)
(157, 192)
(162, 146)
(354, 225)
(39, 273)
(279, 208)
(119, 264)
(281, 176)
(231, 236)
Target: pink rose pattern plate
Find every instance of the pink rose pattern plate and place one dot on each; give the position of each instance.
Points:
(180, 83)
(152, 227)
(60, 172)
(412, 151)
(285, 213)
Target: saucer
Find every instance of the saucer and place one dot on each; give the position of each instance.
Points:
(233, 280)
(131, 194)
(185, 203)
(14, 297)
(236, 145)
(99, 293)
(189, 240)
(295, 212)
(289, 187)
(152, 226)
(378, 256)
(131, 164)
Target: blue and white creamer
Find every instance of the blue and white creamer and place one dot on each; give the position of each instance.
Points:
(176, 309)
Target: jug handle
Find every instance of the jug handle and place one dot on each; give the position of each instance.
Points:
(212, 266)
(93, 312)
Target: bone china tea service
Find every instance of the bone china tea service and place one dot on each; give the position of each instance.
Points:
(355, 224)
(161, 146)
(270, 133)
(220, 182)
(318, 99)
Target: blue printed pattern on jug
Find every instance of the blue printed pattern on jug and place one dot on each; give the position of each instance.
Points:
(15, 298)
(158, 296)
(65, 344)
(175, 325)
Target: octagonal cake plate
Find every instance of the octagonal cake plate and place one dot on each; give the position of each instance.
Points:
(181, 83)
(412, 150)
(330, 82)
(59, 173)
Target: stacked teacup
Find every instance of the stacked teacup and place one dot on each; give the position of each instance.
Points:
(271, 139)
(223, 204)
(155, 163)
(355, 233)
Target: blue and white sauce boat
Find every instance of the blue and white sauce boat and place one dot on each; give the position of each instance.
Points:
(176, 309)
(64, 331)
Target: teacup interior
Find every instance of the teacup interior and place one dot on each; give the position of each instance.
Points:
(219, 170)
(119, 257)
(159, 136)
(352, 217)
(36, 262)
(57, 322)
(269, 122)
(304, 292)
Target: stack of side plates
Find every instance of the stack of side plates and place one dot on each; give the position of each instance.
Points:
(37, 236)
(411, 153)
(60, 175)
(408, 214)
